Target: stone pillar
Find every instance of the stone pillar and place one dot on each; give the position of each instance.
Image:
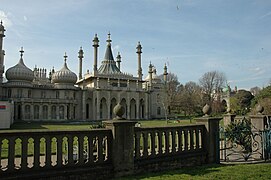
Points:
(123, 142)
(227, 119)
(98, 106)
(84, 104)
(211, 138)
(128, 106)
(258, 125)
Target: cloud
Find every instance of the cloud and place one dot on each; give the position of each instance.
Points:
(267, 14)
(116, 47)
(4, 17)
(25, 18)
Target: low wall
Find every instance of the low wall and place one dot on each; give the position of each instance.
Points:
(164, 148)
(120, 149)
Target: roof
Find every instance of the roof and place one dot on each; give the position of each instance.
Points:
(108, 65)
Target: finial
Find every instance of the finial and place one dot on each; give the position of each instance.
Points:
(1, 22)
(108, 39)
(21, 51)
(65, 57)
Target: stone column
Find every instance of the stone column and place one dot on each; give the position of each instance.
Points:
(128, 106)
(258, 125)
(108, 102)
(98, 106)
(211, 138)
(84, 104)
(123, 142)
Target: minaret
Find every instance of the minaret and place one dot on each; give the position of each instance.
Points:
(139, 51)
(2, 52)
(118, 60)
(150, 75)
(165, 73)
(80, 56)
(95, 45)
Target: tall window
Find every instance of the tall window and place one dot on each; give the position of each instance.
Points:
(61, 112)
(27, 111)
(36, 112)
(53, 112)
(29, 94)
(158, 111)
(57, 95)
(45, 112)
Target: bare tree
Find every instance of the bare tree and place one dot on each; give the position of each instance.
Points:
(211, 83)
(171, 91)
(189, 98)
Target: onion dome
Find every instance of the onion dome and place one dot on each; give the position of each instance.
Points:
(64, 75)
(20, 72)
(108, 65)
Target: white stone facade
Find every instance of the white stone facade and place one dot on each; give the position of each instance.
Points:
(62, 96)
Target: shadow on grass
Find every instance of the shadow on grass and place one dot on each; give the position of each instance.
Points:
(190, 171)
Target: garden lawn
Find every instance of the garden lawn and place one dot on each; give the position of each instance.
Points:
(240, 172)
(90, 125)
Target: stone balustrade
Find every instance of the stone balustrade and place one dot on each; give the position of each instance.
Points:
(41, 150)
(167, 141)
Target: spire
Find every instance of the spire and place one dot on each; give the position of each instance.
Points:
(95, 41)
(165, 73)
(80, 56)
(108, 65)
(1, 22)
(108, 39)
(22, 52)
(65, 57)
(118, 60)
(139, 51)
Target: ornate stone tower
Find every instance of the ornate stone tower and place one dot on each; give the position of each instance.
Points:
(139, 52)
(118, 60)
(2, 52)
(95, 45)
(165, 73)
(80, 56)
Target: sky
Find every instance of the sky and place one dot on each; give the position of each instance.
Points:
(191, 36)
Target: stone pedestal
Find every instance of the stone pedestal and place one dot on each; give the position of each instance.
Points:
(211, 140)
(123, 145)
(227, 119)
(258, 125)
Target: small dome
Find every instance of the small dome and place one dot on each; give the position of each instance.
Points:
(155, 77)
(20, 72)
(64, 75)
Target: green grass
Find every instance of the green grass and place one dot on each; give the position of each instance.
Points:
(51, 126)
(240, 172)
(89, 125)
(162, 123)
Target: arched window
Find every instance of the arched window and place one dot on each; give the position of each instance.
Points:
(158, 111)
(53, 112)
(45, 112)
(27, 111)
(36, 112)
(61, 112)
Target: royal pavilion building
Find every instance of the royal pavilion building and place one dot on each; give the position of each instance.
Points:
(62, 95)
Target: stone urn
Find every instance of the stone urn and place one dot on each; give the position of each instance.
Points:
(207, 110)
(259, 109)
(119, 111)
